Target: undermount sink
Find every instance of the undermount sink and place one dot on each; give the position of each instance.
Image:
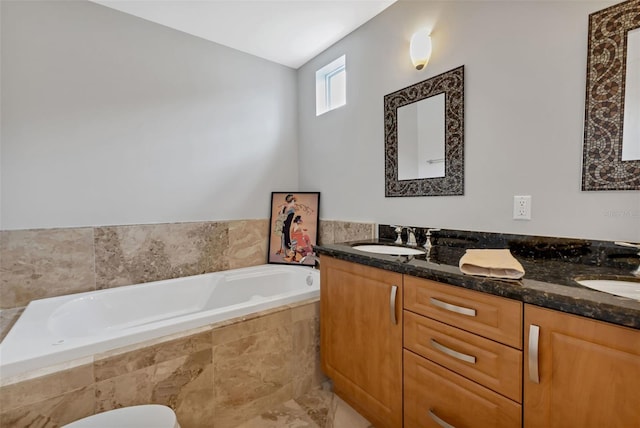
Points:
(626, 288)
(390, 250)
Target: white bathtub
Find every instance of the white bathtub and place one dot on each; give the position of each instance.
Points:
(60, 329)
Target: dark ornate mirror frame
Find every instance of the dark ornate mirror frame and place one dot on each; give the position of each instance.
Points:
(602, 165)
(451, 84)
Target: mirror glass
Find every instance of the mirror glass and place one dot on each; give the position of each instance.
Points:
(631, 123)
(421, 139)
(424, 137)
(611, 160)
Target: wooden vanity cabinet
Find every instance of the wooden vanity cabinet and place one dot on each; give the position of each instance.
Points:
(579, 372)
(361, 338)
(462, 358)
(465, 361)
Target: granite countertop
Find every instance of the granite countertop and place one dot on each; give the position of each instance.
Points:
(547, 283)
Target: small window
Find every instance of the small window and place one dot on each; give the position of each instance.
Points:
(331, 86)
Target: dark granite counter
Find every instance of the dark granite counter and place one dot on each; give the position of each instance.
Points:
(548, 282)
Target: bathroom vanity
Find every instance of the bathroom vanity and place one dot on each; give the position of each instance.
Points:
(361, 337)
(413, 342)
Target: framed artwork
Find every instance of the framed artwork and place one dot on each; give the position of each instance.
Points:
(293, 227)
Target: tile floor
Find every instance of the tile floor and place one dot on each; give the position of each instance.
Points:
(319, 408)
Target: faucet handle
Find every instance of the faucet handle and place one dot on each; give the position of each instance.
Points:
(427, 244)
(398, 230)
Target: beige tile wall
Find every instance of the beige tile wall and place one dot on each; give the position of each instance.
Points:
(227, 375)
(217, 378)
(334, 231)
(35, 264)
(50, 262)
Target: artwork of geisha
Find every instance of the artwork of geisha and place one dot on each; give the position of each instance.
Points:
(293, 226)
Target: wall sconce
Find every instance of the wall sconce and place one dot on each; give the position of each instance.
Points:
(420, 49)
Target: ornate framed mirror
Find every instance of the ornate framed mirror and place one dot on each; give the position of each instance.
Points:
(424, 137)
(611, 152)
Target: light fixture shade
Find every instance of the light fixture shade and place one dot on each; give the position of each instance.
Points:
(420, 49)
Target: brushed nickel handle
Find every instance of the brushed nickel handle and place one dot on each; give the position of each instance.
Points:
(534, 337)
(453, 308)
(438, 420)
(455, 354)
(392, 304)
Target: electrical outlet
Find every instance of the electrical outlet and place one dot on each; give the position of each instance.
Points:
(522, 207)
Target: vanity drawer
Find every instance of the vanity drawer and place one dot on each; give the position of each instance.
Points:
(492, 364)
(431, 392)
(493, 317)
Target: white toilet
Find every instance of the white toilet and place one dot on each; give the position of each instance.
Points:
(145, 416)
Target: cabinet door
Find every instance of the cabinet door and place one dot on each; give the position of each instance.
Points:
(588, 372)
(361, 338)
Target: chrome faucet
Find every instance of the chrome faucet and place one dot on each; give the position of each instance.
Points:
(411, 236)
(427, 243)
(636, 272)
(316, 259)
(398, 231)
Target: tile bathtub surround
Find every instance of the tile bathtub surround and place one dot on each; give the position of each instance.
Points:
(48, 401)
(40, 263)
(247, 243)
(265, 361)
(35, 264)
(229, 374)
(128, 255)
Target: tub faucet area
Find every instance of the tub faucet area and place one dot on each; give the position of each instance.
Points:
(316, 260)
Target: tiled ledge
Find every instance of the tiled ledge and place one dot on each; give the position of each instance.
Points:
(40, 263)
(230, 371)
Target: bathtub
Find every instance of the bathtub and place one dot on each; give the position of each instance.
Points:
(62, 329)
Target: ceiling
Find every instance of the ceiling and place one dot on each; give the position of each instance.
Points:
(288, 32)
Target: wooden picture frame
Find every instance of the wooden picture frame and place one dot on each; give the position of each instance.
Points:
(293, 227)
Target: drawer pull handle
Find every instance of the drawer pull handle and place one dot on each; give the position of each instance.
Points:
(455, 354)
(392, 304)
(439, 421)
(534, 336)
(453, 308)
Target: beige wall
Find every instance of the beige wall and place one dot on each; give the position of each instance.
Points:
(525, 78)
(109, 119)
